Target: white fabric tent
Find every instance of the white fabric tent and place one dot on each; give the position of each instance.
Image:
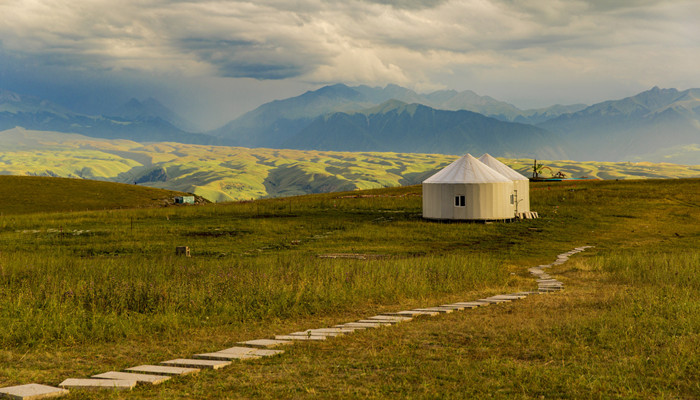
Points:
(520, 182)
(468, 189)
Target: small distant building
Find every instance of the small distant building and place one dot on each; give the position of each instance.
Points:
(184, 200)
(521, 183)
(468, 189)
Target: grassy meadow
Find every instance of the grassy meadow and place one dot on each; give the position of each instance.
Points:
(106, 291)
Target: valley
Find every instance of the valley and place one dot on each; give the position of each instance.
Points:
(222, 173)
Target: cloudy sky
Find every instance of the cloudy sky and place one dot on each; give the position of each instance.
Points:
(213, 60)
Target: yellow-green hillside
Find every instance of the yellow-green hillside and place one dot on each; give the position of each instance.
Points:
(30, 194)
(220, 173)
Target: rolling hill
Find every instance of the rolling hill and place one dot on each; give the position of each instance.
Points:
(32, 194)
(220, 173)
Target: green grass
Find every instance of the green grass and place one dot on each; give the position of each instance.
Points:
(108, 293)
(32, 194)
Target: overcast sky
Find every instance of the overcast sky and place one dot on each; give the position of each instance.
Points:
(213, 60)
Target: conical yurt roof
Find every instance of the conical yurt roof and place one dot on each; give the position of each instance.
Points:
(501, 168)
(467, 169)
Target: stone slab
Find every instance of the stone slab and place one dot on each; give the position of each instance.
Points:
(300, 338)
(390, 318)
(495, 301)
(507, 297)
(257, 352)
(527, 293)
(472, 304)
(194, 363)
(359, 325)
(460, 307)
(31, 391)
(435, 309)
(223, 356)
(309, 333)
(162, 370)
(98, 384)
(376, 321)
(139, 378)
(266, 343)
(413, 313)
(454, 307)
(345, 331)
(248, 350)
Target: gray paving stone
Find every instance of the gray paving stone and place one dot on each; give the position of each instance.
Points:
(257, 352)
(434, 309)
(299, 338)
(340, 331)
(455, 307)
(376, 321)
(139, 378)
(223, 356)
(413, 313)
(353, 328)
(194, 363)
(309, 333)
(359, 325)
(391, 317)
(266, 343)
(31, 391)
(239, 353)
(507, 297)
(98, 384)
(547, 290)
(472, 304)
(162, 370)
(494, 301)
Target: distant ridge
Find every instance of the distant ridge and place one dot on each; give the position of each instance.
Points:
(656, 121)
(30, 112)
(274, 124)
(395, 126)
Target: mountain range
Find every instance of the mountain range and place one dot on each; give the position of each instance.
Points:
(655, 125)
(144, 122)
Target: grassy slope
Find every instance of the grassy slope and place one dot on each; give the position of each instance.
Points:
(31, 194)
(627, 325)
(221, 173)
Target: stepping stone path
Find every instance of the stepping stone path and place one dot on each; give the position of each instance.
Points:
(32, 391)
(139, 378)
(258, 348)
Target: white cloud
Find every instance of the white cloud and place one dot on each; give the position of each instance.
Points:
(419, 43)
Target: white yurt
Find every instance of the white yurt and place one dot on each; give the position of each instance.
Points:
(520, 182)
(468, 189)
